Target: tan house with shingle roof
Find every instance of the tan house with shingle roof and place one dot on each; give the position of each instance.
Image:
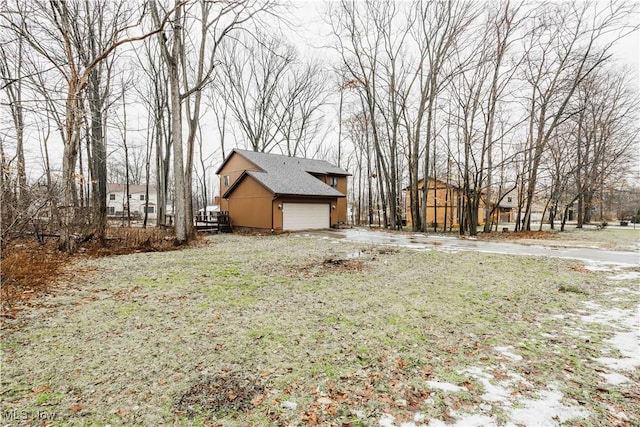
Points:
(280, 193)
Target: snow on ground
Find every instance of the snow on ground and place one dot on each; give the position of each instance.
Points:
(547, 407)
(615, 378)
(546, 410)
(626, 338)
(506, 351)
(437, 385)
(627, 275)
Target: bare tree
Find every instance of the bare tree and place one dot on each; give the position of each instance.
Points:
(189, 75)
(361, 53)
(599, 138)
(275, 98)
(568, 43)
(51, 30)
(440, 26)
(11, 73)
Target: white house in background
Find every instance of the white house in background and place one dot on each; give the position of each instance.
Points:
(117, 197)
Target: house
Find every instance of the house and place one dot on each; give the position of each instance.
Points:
(444, 204)
(277, 193)
(137, 199)
(504, 212)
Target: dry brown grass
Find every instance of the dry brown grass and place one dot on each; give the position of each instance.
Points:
(30, 269)
(27, 270)
(520, 235)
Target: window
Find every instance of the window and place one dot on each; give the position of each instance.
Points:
(112, 196)
(226, 180)
(149, 209)
(509, 199)
(142, 197)
(333, 181)
(129, 196)
(111, 210)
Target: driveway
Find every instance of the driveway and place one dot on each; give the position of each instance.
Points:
(419, 241)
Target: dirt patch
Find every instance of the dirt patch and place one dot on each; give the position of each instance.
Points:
(355, 262)
(320, 268)
(222, 393)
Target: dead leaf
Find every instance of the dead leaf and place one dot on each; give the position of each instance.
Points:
(122, 412)
(310, 418)
(76, 408)
(41, 389)
(332, 409)
(426, 371)
(258, 400)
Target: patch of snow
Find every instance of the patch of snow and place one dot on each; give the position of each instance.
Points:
(591, 305)
(496, 393)
(615, 378)
(289, 405)
(506, 351)
(598, 267)
(359, 413)
(622, 291)
(546, 335)
(419, 417)
(626, 338)
(629, 275)
(618, 413)
(616, 317)
(465, 420)
(485, 407)
(388, 420)
(624, 364)
(548, 409)
(445, 386)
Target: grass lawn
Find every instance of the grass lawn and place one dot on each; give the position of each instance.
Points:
(291, 330)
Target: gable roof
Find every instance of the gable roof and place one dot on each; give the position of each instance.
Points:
(269, 161)
(441, 184)
(285, 175)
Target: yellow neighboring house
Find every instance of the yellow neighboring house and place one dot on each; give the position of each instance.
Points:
(444, 203)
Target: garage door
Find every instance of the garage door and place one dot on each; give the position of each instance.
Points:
(305, 216)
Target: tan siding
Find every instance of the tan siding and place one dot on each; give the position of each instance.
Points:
(341, 207)
(250, 205)
(277, 215)
(339, 214)
(233, 169)
(446, 204)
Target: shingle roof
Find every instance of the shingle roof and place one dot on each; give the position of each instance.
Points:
(272, 162)
(290, 175)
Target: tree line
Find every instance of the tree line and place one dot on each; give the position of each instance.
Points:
(497, 98)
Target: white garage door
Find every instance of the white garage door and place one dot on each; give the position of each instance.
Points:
(305, 216)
